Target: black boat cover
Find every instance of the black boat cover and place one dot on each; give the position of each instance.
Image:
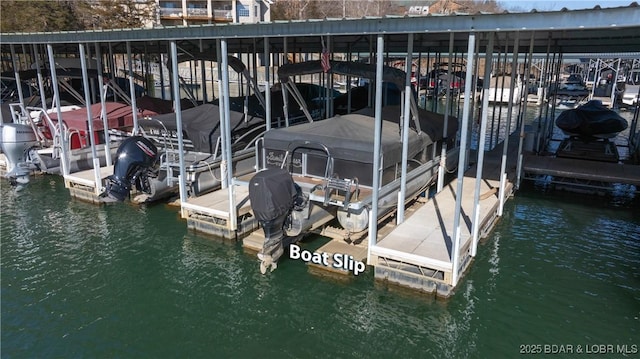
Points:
(351, 137)
(200, 124)
(591, 120)
(356, 69)
(272, 193)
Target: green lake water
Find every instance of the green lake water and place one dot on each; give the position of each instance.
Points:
(122, 281)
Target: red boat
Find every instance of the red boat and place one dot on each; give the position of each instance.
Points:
(119, 116)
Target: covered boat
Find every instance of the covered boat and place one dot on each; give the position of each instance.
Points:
(202, 141)
(200, 126)
(323, 170)
(591, 120)
(119, 117)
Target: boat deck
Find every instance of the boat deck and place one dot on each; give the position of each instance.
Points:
(82, 184)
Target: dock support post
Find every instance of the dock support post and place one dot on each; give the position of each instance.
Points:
(16, 73)
(225, 121)
(373, 230)
(521, 142)
(132, 90)
(178, 110)
(267, 82)
(443, 155)
(505, 144)
(475, 223)
(406, 112)
(56, 100)
(103, 111)
(43, 99)
(285, 96)
(221, 111)
(464, 136)
(87, 99)
(614, 84)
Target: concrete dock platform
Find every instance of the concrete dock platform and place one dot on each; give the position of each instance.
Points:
(82, 184)
(210, 214)
(418, 253)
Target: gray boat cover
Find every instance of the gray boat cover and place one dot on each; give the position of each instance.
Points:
(357, 69)
(351, 137)
(200, 124)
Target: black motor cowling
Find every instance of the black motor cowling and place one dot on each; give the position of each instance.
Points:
(136, 160)
(273, 194)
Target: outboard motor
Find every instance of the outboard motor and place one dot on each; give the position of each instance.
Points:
(136, 161)
(16, 143)
(273, 194)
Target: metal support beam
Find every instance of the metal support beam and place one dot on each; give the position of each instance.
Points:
(103, 108)
(505, 144)
(56, 99)
(406, 112)
(87, 99)
(175, 87)
(475, 223)
(226, 165)
(522, 134)
(132, 90)
(16, 74)
(443, 155)
(267, 82)
(221, 111)
(464, 137)
(373, 219)
(43, 98)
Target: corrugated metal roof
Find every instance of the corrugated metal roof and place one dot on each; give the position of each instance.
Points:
(598, 30)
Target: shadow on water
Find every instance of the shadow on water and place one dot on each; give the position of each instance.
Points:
(617, 195)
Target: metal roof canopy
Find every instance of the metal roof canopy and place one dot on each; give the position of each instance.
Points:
(591, 31)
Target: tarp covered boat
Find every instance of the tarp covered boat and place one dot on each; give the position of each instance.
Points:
(591, 120)
(200, 125)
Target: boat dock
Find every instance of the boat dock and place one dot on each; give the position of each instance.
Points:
(418, 252)
(580, 172)
(434, 246)
(82, 184)
(210, 213)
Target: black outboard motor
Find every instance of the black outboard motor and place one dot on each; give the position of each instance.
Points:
(136, 160)
(272, 193)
